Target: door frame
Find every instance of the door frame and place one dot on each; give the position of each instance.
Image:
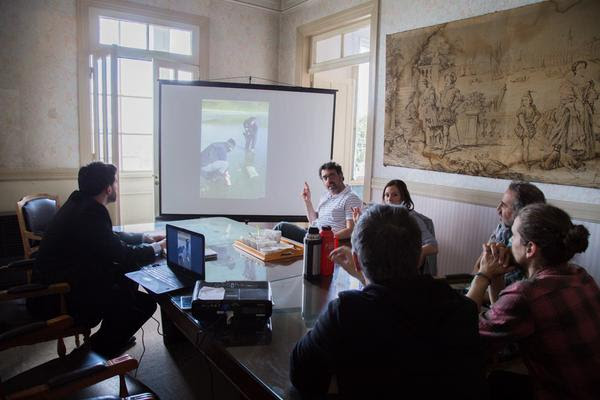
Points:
(367, 11)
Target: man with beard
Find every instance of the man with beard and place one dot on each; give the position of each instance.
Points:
(518, 195)
(334, 208)
(81, 248)
(553, 315)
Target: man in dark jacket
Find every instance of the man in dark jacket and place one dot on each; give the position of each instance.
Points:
(81, 248)
(402, 333)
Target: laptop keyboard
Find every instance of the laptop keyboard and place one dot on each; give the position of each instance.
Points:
(163, 274)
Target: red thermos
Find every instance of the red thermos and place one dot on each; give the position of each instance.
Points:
(326, 248)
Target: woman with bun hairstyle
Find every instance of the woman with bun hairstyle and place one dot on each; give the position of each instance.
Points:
(553, 315)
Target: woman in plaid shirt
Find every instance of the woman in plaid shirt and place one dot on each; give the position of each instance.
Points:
(554, 314)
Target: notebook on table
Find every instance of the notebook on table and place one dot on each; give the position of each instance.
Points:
(183, 265)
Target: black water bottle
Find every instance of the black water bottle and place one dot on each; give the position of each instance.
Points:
(312, 253)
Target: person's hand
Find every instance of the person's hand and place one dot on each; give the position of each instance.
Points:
(343, 257)
(163, 243)
(495, 260)
(306, 192)
(356, 213)
(153, 237)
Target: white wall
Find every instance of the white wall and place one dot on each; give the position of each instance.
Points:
(460, 226)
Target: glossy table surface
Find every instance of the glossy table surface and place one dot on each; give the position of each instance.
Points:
(297, 302)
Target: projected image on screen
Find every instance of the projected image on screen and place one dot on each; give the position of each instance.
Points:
(233, 141)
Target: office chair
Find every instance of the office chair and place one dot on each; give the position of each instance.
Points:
(34, 213)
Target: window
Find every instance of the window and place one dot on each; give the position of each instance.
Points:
(135, 34)
(328, 49)
(138, 45)
(360, 125)
(357, 42)
(341, 43)
(340, 60)
(128, 48)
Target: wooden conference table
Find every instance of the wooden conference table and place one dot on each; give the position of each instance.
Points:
(258, 365)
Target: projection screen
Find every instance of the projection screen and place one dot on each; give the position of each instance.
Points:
(241, 150)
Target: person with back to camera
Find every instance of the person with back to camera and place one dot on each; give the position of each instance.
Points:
(81, 248)
(403, 333)
(554, 314)
(395, 192)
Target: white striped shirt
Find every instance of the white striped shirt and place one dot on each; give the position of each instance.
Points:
(334, 210)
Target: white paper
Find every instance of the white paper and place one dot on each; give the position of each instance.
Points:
(211, 293)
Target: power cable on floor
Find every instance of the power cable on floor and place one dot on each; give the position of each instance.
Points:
(142, 356)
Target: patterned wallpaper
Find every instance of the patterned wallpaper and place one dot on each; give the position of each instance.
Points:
(38, 86)
(38, 70)
(243, 41)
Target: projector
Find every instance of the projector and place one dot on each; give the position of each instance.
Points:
(237, 301)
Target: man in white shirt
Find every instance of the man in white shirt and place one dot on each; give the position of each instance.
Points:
(334, 208)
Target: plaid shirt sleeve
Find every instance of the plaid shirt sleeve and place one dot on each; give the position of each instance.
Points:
(509, 318)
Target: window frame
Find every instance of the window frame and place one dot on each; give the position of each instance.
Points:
(341, 61)
(369, 10)
(94, 34)
(88, 13)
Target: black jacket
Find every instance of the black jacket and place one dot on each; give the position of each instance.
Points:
(419, 337)
(81, 248)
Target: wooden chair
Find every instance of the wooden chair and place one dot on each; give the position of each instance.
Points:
(68, 373)
(82, 374)
(34, 213)
(19, 327)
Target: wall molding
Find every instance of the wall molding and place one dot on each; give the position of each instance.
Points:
(579, 211)
(271, 5)
(30, 174)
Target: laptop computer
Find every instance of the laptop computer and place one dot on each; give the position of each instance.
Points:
(184, 264)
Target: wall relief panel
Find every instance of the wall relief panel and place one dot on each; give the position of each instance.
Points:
(514, 95)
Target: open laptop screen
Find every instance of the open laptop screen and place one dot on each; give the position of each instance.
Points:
(185, 249)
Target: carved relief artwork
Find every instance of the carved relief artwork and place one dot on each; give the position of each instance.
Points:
(514, 95)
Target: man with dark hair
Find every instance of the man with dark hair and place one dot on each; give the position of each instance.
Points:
(402, 333)
(334, 209)
(81, 248)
